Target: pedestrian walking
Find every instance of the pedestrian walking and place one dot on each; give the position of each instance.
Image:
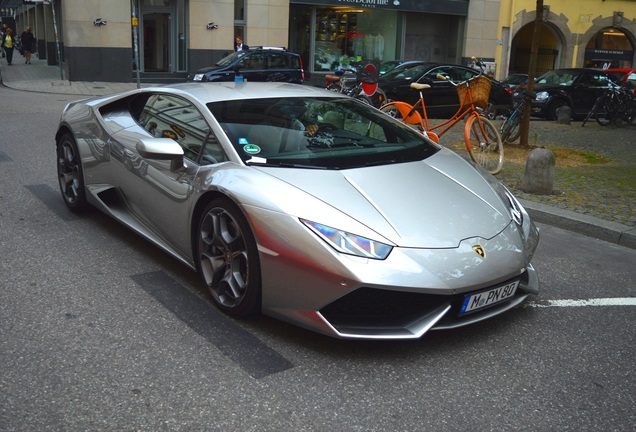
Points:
(8, 44)
(28, 41)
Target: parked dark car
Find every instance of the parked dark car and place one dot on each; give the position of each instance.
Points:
(260, 64)
(389, 65)
(515, 79)
(577, 88)
(441, 99)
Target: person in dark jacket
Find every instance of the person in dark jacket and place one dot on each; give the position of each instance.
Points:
(239, 45)
(8, 43)
(28, 40)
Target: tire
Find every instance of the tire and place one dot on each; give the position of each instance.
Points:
(483, 143)
(498, 115)
(400, 110)
(227, 259)
(604, 118)
(552, 113)
(391, 110)
(632, 114)
(514, 133)
(70, 174)
(511, 131)
(599, 112)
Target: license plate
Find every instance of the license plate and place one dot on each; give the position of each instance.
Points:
(484, 299)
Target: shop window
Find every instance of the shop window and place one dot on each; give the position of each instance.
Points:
(346, 36)
(609, 48)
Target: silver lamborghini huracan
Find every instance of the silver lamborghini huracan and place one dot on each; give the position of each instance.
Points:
(303, 204)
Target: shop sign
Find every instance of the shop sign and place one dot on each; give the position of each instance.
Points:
(450, 7)
(605, 54)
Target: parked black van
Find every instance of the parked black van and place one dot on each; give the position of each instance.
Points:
(257, 64)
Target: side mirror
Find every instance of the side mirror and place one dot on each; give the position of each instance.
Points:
(162, 149)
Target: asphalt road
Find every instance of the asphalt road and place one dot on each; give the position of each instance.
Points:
(101, 331)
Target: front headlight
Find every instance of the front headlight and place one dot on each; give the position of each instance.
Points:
(542, 96)
(350, 244)
(198, 77)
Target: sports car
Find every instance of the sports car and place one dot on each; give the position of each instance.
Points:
(303, 204)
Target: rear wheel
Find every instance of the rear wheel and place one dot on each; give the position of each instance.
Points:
(483, 143)
(511, 130)
(603, 116)
(498, 115)
(70, 174)
(227, 258)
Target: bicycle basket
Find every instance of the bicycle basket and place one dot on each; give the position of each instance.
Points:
(480, 90)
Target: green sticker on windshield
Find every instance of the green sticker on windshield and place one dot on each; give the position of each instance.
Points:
(252, 149)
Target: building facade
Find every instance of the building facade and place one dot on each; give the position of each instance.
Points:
(161, 40)
(585, 33)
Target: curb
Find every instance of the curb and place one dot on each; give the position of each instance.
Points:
(590, 226)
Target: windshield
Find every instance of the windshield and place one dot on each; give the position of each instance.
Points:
(325, 133)
(556, 78)
(231, 58)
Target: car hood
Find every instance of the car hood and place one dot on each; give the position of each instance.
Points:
(550, 87)
(435, 203)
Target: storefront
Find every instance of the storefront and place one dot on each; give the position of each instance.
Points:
(609, 48)
(329, 34)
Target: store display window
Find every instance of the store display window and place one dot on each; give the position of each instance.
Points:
(345, 36)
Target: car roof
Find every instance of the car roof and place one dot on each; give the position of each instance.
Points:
(220, 91)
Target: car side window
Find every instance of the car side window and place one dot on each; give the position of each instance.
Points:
(599, 80)
(462, 74)
(168, 116)
(276, 60)
(254, 61)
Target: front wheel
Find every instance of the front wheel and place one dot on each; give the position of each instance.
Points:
(227, 258)
(70, 174)
(483, 143)
(553, 110)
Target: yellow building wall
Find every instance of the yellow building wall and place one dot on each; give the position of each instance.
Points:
(573, 23)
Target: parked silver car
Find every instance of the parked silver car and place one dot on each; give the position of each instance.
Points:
(304, 204)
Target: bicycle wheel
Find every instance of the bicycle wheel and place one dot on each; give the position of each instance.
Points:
(512, 128)
(632, 114)
(483, 143)
(403, 112)
(602, 112)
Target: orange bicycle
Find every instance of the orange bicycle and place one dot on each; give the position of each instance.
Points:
(481, 136)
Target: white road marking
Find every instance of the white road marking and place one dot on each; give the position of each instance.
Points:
(625, 301)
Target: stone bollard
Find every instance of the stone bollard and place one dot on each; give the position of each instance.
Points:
(564, 114)
(539, 175)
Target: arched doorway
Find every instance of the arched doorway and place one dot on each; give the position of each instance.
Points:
(550, 49)
(609, 48)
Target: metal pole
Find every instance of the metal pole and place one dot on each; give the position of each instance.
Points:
(135, 26)
(57, 41)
